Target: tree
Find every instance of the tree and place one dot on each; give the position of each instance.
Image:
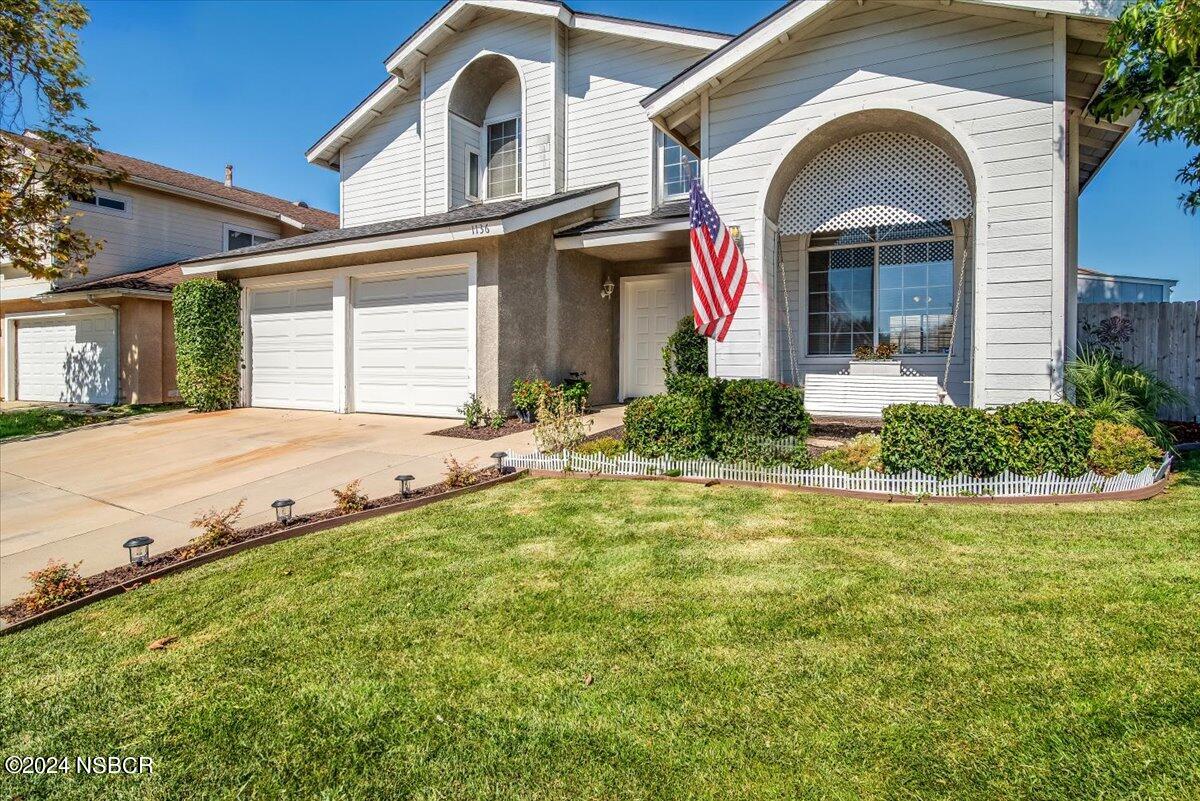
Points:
(1155, 66)
(40, 93)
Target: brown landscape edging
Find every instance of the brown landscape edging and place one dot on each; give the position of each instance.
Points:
(1140, 494)
(298, 530)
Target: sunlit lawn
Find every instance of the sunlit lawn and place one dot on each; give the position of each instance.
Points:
(45, 419)
(619, 639)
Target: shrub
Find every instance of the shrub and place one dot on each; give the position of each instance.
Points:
(559, 428)
(1113, 390)
(942, 440)
(1118, 446)
(863, 452)
(686, 352)
(739, 446)
(497, 418)
(460, 474)
(54, 585)
(675, 425)
(527, 394)
(1045, 437)
(881, 352)
(208, 342)
(763, 408)
(605, 446)
(472, 411)
(574, 392)
(350, 498)
(704, 387)
(217, 529)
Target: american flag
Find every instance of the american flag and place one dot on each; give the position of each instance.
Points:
(718, 269)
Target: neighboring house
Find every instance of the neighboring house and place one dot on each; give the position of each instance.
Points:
(107, 336)
(1098, 287)
(514, 203)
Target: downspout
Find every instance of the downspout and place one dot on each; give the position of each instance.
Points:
(116, 310)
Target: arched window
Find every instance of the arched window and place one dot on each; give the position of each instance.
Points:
(485, 131)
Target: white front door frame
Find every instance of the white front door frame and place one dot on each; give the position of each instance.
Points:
(343, 343)
(625, 339)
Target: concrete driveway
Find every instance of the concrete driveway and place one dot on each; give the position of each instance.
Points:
(78, 495)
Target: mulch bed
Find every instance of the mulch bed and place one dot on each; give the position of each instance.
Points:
(1184, 431)
(511, 426)
(844, 427)
(16, 611)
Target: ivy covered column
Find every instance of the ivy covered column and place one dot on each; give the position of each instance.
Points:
(208, 342)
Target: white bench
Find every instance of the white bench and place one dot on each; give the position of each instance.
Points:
(866, 395)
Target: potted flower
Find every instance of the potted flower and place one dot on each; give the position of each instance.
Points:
(527, 395)
(878, 360)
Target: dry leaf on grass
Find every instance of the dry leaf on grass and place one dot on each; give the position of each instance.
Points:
(161, 643)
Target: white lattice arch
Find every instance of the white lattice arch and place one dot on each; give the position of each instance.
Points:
(875, 178)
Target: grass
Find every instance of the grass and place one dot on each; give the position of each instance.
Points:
(46, 419)
(740, 643)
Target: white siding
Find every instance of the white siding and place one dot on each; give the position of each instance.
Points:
(609, 137)
(529, 42)
(991, 76)
(463, 134)
(381, 168)
(157, 229)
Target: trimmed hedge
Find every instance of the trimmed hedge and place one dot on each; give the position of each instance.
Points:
(674, 425)
(208, 342)
(732, 421)
(1028, 438)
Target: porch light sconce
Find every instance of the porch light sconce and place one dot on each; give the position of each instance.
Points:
(139, 550)
(404, 484)
(499, 457)
(606, 289)
(283, 510)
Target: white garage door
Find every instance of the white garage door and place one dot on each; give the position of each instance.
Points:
(71, 359)
(411, 344)
(291, 347)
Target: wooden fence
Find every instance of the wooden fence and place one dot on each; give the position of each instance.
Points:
(1165, 339)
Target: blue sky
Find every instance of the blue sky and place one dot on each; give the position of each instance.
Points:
(196, 85)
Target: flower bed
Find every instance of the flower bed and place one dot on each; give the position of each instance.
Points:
(910, 483)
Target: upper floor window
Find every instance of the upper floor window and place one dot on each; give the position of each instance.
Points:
(677, 168)
(504, 157)
(472, 170)
(241, 237)
(108, 202)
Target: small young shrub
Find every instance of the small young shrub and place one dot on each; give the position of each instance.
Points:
(763, 408)
(1045, 437)
(686, 352)
(1119, 446)
(350, 498)
(497, 418)
(472, 411)
(863, 452)
(208, 342)
(527, 393)
(881, 352)
(674, 424)
(217, 529)
(559, 427)
(942, 440)
(54, 585)
(574, 392)
(604, 446)
(460, 474)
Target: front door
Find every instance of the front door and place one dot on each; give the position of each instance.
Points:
(651, 307)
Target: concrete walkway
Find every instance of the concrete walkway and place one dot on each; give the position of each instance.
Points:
(77, 495)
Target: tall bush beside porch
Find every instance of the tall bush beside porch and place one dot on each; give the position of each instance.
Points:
(208, 342)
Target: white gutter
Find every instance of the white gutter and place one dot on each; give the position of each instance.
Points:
(592, 239)
(84, 294)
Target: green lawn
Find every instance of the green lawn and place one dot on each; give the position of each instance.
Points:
(44, 419)
(742, 643)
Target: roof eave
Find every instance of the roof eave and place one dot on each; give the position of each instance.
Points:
(108, 292)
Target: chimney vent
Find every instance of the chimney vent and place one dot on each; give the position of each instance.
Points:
(302, 204)
(229, 175)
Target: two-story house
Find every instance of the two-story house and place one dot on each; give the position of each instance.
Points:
(107, 336)
(514, 203)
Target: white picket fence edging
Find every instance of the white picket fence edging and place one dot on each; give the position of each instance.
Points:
(914, 482)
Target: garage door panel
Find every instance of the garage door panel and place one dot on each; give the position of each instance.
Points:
(291, 347)
(411, 344)
(71, 359)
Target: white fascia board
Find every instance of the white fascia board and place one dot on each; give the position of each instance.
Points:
(84, 294)
(328, 146)
(476, 229)
(1084, 9)
(729, 57)
(633, 29)
(629, 236)
(1130, 122)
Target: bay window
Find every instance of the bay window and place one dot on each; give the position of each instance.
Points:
(888, 283)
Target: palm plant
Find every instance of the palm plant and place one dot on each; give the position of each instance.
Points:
(1114, 390)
